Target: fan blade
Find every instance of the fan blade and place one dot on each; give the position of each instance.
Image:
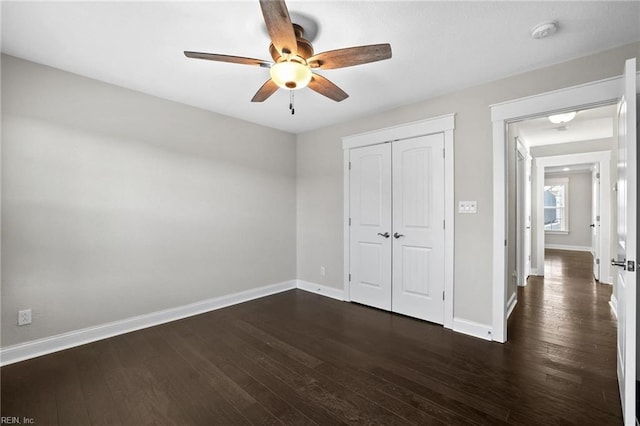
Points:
(267, 89)
(228, 58)
(350, 56)
(325, 87)
(279, 26)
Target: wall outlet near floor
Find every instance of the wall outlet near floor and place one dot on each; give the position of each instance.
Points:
(24, 317)
(322, 271)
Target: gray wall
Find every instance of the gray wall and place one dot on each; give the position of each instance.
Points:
(117, 204)
(580, 195)
(319, 168)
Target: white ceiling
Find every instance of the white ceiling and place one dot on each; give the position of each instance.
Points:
(438, 47)
(590, 124)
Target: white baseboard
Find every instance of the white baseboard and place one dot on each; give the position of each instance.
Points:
(472, 328)
(47, 345)
(607, 281)
(567, 247)
(323, 290)
(614, 305)
(537, 272)
(511, 304)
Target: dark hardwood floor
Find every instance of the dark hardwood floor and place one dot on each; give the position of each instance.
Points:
(299, 358)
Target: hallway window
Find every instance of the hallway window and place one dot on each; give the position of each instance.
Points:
(556, 195)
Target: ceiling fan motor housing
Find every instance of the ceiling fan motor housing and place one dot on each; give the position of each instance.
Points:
(305, 49)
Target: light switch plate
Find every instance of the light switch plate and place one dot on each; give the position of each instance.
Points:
(467, 207)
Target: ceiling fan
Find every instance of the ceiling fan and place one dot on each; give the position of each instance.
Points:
(294, 61)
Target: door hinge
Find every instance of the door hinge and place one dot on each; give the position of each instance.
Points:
(443, 295)
(443, 153)
(444, 224)
(597, 261)
(598, 175)
(349, 165)
(349, 221)
(598, 218)
(631, 266)
(349, 277)
(529, 178)
(505, 243)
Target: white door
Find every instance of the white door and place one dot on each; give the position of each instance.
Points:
(527, 220)
(626, 243)
(595, 222)
(523, 213)
(370, 231)
(418, 227)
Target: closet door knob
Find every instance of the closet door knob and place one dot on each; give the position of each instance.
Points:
(396, 235)
(622, 263)
(386, 234)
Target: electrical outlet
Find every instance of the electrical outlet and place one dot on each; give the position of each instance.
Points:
(322, 271)
(24, 317)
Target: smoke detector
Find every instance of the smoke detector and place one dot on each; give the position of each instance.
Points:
(544, 29)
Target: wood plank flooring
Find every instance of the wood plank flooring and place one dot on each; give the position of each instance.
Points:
(297, 358)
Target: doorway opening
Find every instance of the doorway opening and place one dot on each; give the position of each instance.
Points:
(623, 92)
(559, 193)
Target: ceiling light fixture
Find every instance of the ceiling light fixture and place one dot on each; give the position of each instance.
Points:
(562, 118)
(291, 75)
(544, 29)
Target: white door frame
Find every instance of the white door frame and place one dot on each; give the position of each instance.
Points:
(568, 99)
(603, 158)
(443, 124)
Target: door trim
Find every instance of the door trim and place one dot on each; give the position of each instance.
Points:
(581, 96)
(603, 158)
(442, 124)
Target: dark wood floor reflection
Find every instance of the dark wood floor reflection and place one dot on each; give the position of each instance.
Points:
(299, 358)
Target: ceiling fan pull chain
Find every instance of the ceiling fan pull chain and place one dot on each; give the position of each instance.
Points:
(291, 100)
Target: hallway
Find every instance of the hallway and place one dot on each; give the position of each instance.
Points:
(564, 321)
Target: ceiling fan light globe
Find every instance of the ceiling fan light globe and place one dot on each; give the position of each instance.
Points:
(291, 75)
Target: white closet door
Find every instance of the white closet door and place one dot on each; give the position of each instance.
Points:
(418, 226)
(370, 236)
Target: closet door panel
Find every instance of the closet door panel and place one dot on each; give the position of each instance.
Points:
(370, 231)
(418, 226)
